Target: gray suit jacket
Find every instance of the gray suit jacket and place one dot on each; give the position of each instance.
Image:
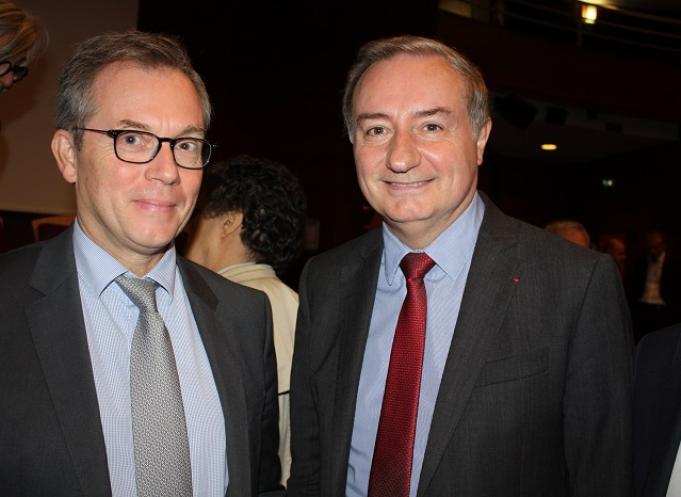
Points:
(535, 395)
(51, 441)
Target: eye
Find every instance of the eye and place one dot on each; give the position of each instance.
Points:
(188, 145)
(133, 138)
(376, 131)
(432, 127)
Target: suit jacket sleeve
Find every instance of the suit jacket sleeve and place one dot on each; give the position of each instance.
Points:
(597, 399)
(269, 472)
(305, 442)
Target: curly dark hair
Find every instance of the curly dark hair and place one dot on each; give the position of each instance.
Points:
(271, 199)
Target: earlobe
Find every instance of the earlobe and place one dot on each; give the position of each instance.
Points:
(483, 136)
(64, 151)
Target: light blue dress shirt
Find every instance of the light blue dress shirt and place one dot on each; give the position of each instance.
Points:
(452, 252)
(110, 321)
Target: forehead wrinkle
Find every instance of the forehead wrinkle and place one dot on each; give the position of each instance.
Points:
(364, 116)
(128, 123)
(433, 112)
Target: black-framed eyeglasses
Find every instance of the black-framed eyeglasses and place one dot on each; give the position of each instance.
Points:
(141, 147)
(19, 71)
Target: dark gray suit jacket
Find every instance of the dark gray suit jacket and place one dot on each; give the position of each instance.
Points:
(51, 441)
(657, 410)
(535, 395)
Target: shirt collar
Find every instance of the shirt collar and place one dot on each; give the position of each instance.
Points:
(98, 268)
(451, 250)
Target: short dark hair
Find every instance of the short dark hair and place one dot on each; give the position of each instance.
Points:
(271, 199)
(148, 50)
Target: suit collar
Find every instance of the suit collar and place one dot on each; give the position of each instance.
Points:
(486, 296)
(451, 250)
(356, 291)
(219, 340)
(494, 270)
(61, 346)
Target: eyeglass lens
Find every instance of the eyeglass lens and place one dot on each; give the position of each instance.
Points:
(18, 71)
(140, 146)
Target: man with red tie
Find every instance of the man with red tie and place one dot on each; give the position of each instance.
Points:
(456, 351)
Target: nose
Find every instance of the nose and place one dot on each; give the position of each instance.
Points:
(403, 153)
(163, 167)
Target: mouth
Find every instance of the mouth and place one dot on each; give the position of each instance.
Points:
(154, 204)
(406, 186)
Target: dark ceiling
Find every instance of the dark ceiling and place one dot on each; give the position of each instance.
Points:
(275, 72)
(660, 7)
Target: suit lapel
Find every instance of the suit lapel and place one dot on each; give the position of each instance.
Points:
(356, 293)
(486, 296)
(220, 346)
(58, 329)
(668, 432)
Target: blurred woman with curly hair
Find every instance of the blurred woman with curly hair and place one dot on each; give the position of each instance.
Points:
(247, 226)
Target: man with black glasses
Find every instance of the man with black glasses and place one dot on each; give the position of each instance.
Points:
(126, 370)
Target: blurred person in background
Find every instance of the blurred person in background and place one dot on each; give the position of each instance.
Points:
(248, 226)
(655, 287)
(616, 246)
(570, 230)
(22, 39)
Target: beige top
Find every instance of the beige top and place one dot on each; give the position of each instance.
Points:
(651, 291)
(284, 303)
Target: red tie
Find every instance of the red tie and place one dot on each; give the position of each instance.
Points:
(394, 449)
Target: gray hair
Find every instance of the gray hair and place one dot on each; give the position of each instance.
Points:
(20, 32)
(383, 49)
(148, 50)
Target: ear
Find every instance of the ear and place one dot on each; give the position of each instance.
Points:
(65, 153)
(481, 142)
(231, 223)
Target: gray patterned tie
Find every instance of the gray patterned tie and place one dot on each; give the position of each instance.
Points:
(162, 465)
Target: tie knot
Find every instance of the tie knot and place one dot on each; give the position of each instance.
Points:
(142, 292)
(415, 265)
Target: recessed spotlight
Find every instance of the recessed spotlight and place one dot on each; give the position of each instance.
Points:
(589, 14)
(549, 147)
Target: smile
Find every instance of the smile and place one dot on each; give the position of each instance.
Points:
(406, 185)
(155, 204)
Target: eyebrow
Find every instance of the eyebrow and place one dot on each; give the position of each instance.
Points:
(144, 127)
(421, 113)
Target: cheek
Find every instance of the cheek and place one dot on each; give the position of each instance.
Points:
(191, 181)
(368, 161)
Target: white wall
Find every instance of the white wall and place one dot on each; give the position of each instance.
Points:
(29, 179)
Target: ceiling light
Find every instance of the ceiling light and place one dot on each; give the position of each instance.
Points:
(549, 147)
(589, 14)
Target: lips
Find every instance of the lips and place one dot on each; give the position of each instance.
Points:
(406, 185)
(149, 203)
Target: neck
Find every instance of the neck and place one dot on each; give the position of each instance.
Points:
(216, 258)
